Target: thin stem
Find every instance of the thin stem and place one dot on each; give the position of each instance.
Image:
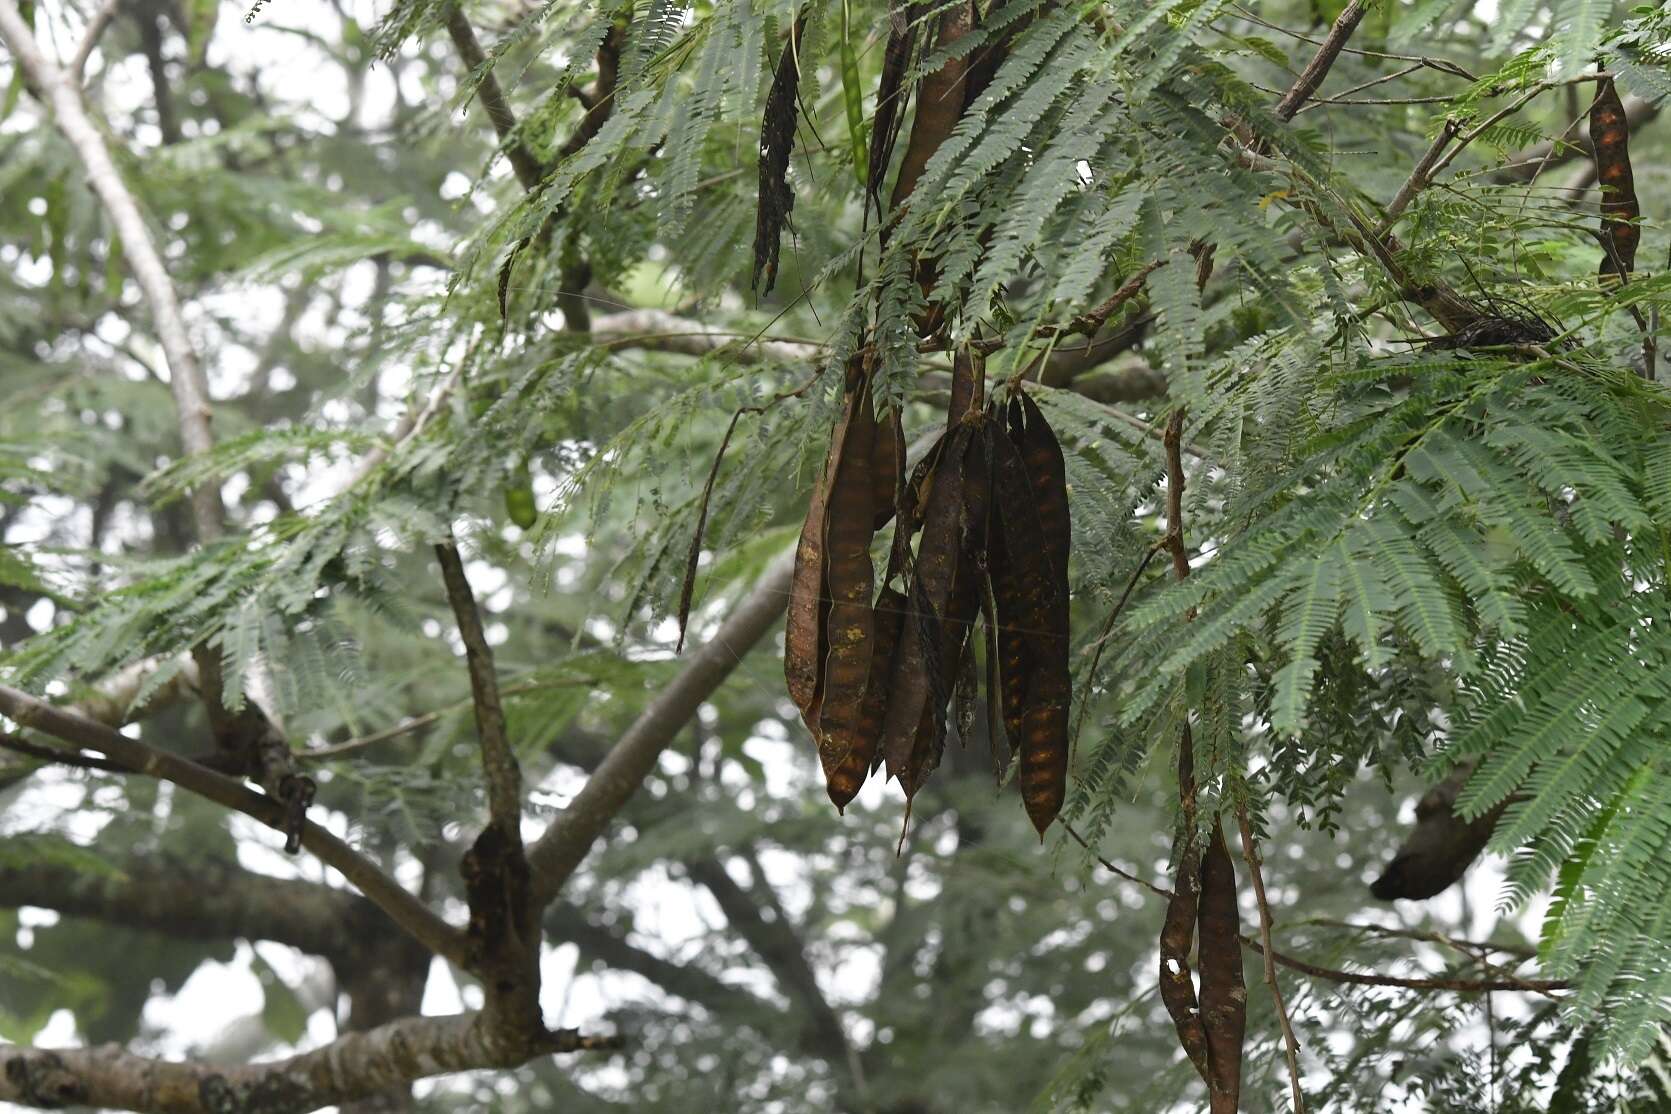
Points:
(90, 37)
(1290, 1043)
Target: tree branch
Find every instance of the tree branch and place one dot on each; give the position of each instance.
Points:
(571, 835)
(523, 161)
(90, 37)
(202, 899)
(354, 1066)
(185, 376)
(499, 765)
(406, 910)
(779, 946)
(1318, 68)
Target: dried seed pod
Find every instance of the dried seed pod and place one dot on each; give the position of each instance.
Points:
(1043, 745)
(1032, 638)
(891, 94)
(867, 755)
(887, 470)
(1620, 209)
(1223, 990)
(917, 665)
(848, 578)
(804, 642)
(1177, 933)
(939, 101)
(913, 503)
(777, 140)
(995, 733)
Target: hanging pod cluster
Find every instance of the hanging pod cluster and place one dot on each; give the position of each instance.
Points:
(877, 672)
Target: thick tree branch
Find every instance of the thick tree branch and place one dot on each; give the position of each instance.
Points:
(200, 899)
(354, 1066)
(571, 835)
(779, 946)
(406, 910)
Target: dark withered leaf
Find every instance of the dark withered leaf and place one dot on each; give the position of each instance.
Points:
(777, 141)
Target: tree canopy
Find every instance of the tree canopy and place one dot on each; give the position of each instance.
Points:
(423, 421)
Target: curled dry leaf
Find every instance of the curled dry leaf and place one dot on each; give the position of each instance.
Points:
(1223, 989)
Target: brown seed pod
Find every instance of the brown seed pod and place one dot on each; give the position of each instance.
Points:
(777, 140)
(887, 470)
(891, 95)
(1177, 933)
(804, 643)
(1223, 990)
(889, 621)
(939, 101)
(1620, 209)
(848, 578)
(1044, 743)
(917, 664)
(1032, 638)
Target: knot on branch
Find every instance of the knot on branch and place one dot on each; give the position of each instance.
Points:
(276, 1093)
(296, 792)
(496, 880)
(41, 1079)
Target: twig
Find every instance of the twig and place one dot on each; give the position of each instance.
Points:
(90, 37)
(1443, 65)
(407, 911)
(1318, 68)
(1353, 978)
(523, 162)
(1159, 891)
(499, 765)
(1360, 87)
(1107, 630)
(1290, 1043)
(1419, 177)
